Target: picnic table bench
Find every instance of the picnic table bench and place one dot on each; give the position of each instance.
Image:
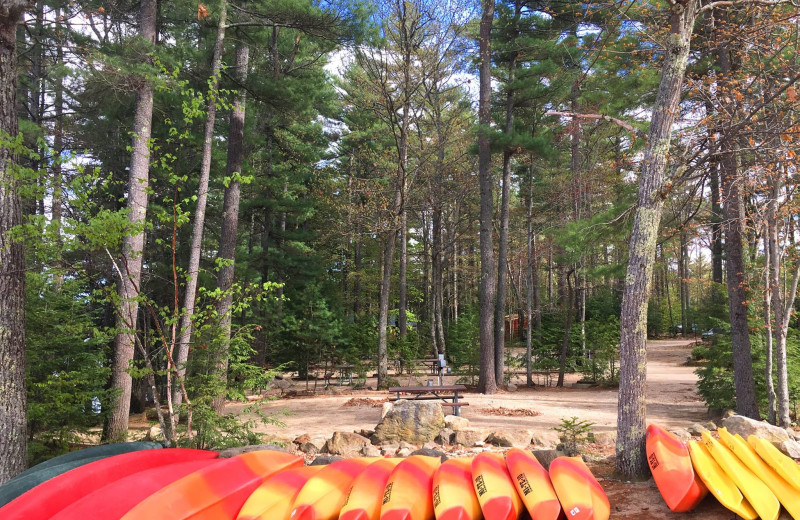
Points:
(448, 394)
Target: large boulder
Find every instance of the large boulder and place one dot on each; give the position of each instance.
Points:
(510, 438)
(469, 437)
(545, 457)
(312, 445)
(346, 444)
(547, 439)
(745, 426)
(444, 437)
(456, 422)
(324, 460)
(416, 422)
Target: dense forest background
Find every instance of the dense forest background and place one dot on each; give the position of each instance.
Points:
(209, 192)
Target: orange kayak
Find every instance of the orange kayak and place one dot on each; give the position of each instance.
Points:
(363, 501)
(580, 494)
(323, 495)
(671, 466)
(273, 499)
(454, 496)
(216, 492)
(496, 492)
(533, 485)
(408, 494)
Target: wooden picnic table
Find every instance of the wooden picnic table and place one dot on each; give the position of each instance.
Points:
(446, 393)
(430, 364)
(345, 373)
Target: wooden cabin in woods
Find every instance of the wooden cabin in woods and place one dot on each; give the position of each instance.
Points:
(515, 326)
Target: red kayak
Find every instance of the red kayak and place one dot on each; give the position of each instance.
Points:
(111, 502)
(672, 470)
(49, 498)
(216, 492)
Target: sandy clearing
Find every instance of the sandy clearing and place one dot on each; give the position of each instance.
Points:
(672, 401)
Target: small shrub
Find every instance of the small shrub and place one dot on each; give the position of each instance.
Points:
(573, 433)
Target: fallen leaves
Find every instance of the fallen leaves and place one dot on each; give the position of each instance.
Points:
(510, 412)
(359, 402)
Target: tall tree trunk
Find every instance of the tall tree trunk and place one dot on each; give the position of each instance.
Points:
(487, 382)
(716, 227)
(530, 267)
(734, 265)
(190, 292)
(502, 248)
(682, 276)
(782, 308)
(389, 242)
(230, 211)
(570, 310)
(13, 406)
(438, 256)
(771, 399)
(116, 427)
(58, 148)
(631, 408)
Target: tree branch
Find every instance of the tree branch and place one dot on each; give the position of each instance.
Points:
(619, 122)
(729, 3)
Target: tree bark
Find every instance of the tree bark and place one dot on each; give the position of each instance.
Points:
(487, 382)
(190, 292)
(13, 406)
(716, 227)
(781, 308)
(116, 428)
(631, 461)
(230, 211)
(734, 265)
(530, 267)
(58, 148)
(570, 310)
(383, 310)
(502, 247)
(771, 399)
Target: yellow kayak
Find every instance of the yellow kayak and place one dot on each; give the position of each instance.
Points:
(363, 501)
(758, 494)
(785, 493)
(783, 465)
(454, 496)
(719, 484)
(496, 493)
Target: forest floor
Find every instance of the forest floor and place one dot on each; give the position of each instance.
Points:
(672, 402)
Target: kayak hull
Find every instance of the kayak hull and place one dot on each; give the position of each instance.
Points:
(217, 492)
(52, 496)
(454, 496)
(581, 496)
(533, 485)
(408, 494)
(671, 466)
(496, 492)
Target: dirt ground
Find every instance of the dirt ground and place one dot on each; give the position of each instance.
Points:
(672, 402)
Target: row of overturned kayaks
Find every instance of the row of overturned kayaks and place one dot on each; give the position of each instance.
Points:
(752, 478)
(178, 484)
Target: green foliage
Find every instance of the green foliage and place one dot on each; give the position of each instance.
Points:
(573, 433)
(602, 343)
(463, 344)
(66, 370)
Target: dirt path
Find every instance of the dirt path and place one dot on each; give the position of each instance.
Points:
(672, 402)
